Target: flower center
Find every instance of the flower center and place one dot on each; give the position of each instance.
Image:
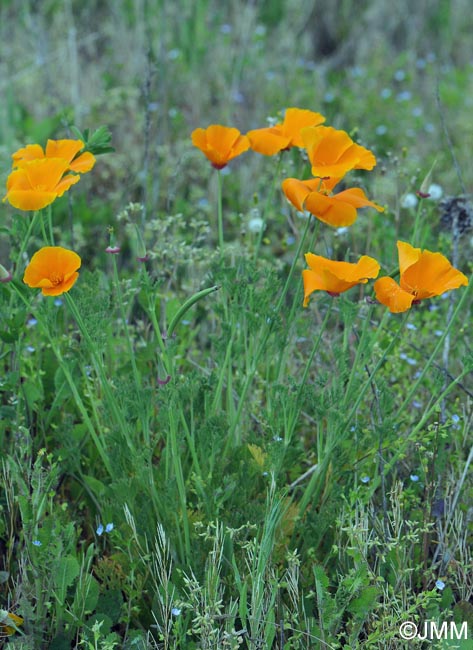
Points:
(56, 279)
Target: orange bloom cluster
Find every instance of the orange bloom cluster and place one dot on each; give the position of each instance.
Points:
(332, 154)
(39, 177)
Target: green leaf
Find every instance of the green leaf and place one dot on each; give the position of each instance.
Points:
(65, 571)
(364, 603)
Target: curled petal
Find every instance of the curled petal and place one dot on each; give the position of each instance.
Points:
(329, 210)
(408, 255)
(390, 294)
(268, 141)
(431, 276)
(297, 191)
(336, 277)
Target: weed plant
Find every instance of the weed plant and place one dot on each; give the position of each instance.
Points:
(189, 458)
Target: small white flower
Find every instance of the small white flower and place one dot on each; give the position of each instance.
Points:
(255, 224)
(435, 191)
(409, 200)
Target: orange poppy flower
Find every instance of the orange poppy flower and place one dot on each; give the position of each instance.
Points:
(220, 144)
(6, 621)
(315, 196)
(333, 153)
(38, 182)
(67, 149)
(285, 134)
(336, 277)
(423, 275)
(52, 269)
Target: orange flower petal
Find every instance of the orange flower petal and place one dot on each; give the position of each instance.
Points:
(390, 294)
(333, 153)
(45, 174)
(268, 141)
(37, 183)
(220, 144)
(296, 191)
(336, 277)
(366, 158)
(30, 200)
(296, 119)
(329, 210)
(431, 276)
(66, 149)
(83, 163)
(408, 255)
(30, 152)
(66, 182)
(357, 198)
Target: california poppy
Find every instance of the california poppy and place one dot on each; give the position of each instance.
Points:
(53, 270)
(336, 277)
(220, 144)
(37, 183)
(9, 622)
(67, 149)
(315, 196)
(285, 134)
(333, 153)
(422, 275)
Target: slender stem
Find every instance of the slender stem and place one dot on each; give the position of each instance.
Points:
(75, 392)
(220, 211)
(381, 361)
(98, 364)
(131, 354)
(268, 202)
(440, 342)
(266, 331)
(295, 415)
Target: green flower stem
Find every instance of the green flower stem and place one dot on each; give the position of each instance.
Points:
(298, 293)
(295, 261)
(220, 211)
(49, 219)
(380, 362)
(361, 347)
(131, 354)
(178, 476)
(417, 224)
(437, 348)
(99, 369)
(295, 415)
(234, 436)
(268, 202)
(388, 466)
(75, 392)
(151, 311)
